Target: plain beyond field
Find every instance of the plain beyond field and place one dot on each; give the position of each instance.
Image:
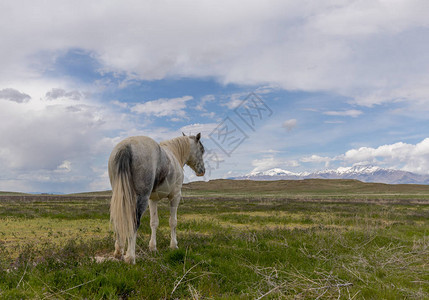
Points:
(303, 240)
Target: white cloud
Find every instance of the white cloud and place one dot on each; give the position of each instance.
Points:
(163, 107)
(372, 51)
(413, 158)
(44, 138)
(14, 95)
(380, 16)
(65, 167)
(333, 122)
(205, 129)
(58, 93)
(119, 103)
(407, 157)
(50, 145)
(235, 100)
(270, 162)
(265, 163)
(203, 102)
(345, 113)
(316, 159)
(270, 151)
(211, 115)
(289, 124)
(101, 181)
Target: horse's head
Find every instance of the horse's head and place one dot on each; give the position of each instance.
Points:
(196, 153)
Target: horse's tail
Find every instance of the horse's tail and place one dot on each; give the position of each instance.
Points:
(123, 203)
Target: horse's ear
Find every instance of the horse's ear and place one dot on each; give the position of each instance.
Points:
(183, 134)
(198, 136)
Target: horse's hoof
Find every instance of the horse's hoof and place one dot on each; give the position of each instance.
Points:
(117, 255)
(174, 247)
(152, 247)
(130, 259)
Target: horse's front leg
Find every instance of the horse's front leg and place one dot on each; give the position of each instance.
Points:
(174, 203)
(154, 222)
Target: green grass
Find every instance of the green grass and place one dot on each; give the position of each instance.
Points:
(233, 244)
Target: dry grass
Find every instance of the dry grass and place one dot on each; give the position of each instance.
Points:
(17, 233)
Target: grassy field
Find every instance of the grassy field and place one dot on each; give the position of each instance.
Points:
(238, 239)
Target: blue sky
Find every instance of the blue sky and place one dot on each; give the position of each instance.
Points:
(346, 82)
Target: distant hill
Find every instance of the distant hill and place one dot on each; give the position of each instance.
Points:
(12, 194)
(85, 194)
(305, 186)
(366, 173)
(94, 194)
(222, 187)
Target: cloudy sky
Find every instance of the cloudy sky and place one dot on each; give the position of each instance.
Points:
(299, 85)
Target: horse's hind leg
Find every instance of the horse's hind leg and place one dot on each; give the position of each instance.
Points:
(130, 257)
(119, 249)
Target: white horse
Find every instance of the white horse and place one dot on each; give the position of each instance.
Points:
(142, 171)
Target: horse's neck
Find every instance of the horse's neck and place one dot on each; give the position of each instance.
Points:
(179, 147)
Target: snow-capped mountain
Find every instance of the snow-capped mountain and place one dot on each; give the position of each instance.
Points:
(273, 172)
(365, 173)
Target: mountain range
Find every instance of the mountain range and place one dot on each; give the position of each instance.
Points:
(365, 173)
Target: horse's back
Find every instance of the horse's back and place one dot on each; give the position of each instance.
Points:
(138, 142)
(149, 162)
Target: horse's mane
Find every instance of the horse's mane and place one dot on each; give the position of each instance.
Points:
(180, 147)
